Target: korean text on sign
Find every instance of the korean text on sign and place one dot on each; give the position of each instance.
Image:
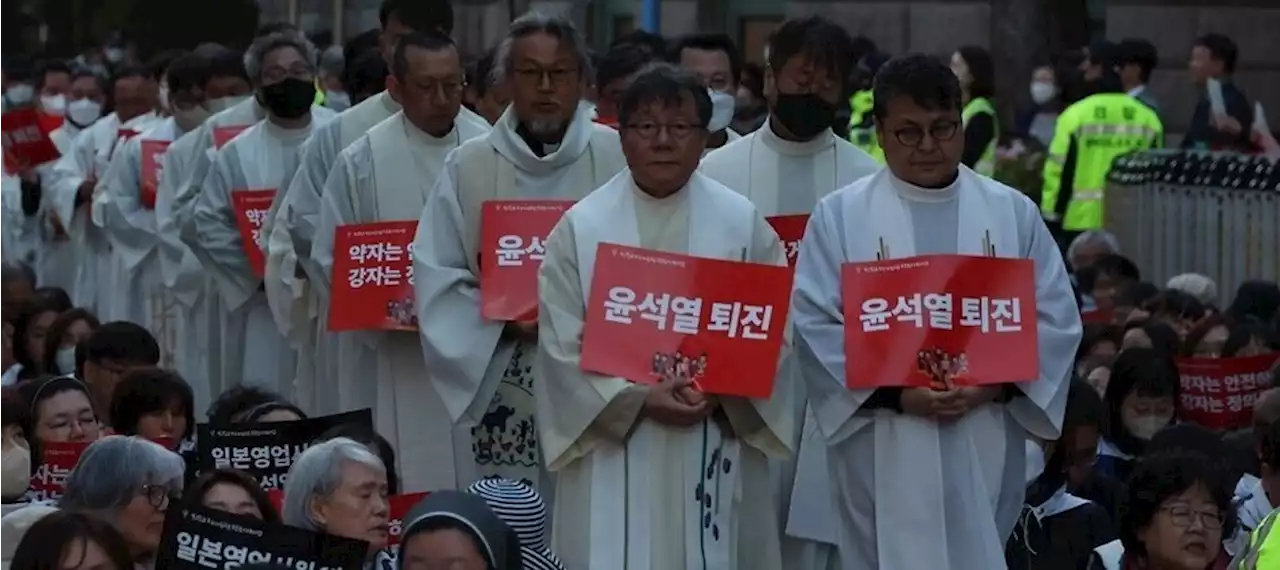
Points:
(251, 207)
(790, 229)
(198, 538)
(56, 462)
(653, 316)
(513, 234)
(372, 278)
(152, 163)
(266, 450)
(1219, 393)
(26, 144)
(940, 321)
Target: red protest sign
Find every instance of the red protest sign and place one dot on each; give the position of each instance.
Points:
(790, 230)
(223, 135)
(373, 277)
(251, 207)
(654, 315)
(26, 144)
(152, 163)
(513, 235)
(1219, 393)
(939, 321)
(59, 458)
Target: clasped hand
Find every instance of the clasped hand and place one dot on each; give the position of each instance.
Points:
(677, 403)
(946, 405)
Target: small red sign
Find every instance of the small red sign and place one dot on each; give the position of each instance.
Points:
(790, 230)
(223, 135)
(251, 208)
(152, 164)
(59, 458)
(1219, 393)
(398, 508)
(513, 237)
(373, 277)
(26, 144)
(939, 321)
(653, 316)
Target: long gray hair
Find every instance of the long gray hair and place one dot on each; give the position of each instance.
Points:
(266, 44)
(558, 27)
(317, 472)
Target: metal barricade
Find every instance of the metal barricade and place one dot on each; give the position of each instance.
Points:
(1225, 227)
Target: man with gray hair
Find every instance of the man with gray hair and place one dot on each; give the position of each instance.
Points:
(331, 67)
(1087, 247)
(339, 487)
(545, 146)
(236, 193)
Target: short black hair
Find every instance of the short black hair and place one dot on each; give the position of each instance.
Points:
(1243, 333)
(365, 75)
(189, 71)
(57, 297)
(1103, 53)
(818, 39)
(361, 44)
(53, 536)
(17, 412)
(1270, 448)
(1221, 48)
(1146, 372)
(44, 68)
(654, 43)
(159, 64)
(130, 71)
(928, 82)
(1137, 293)
(236, 400)
(35, 391)
(1164, 339)
(429, 40)
(1139, 52)
(1118, 266)
(1095, 334)
(480, 74)
(981, 69)
(1160, 477)
(195, 491)
(124, 342)
(96, 77)
(665, 83)
(59, 327)
(27, 314)
(418, 15)
(144, 391)
(623, 61)
(275, 28)
(1175, 304)
(374, 441)
(227, 63)
(710, 42)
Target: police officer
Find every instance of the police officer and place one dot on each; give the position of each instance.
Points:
(862, 128)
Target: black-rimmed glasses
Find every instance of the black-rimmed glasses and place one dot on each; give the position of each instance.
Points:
(648, 129)
(940, 131)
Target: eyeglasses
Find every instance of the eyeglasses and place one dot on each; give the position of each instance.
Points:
(157, 495)
(559, 77)
(648, 129)
(940, 131)
(1182, 516)
(450, 87)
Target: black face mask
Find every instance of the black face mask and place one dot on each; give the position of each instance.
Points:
(806, 115)
(289, 99)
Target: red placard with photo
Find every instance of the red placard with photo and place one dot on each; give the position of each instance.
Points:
(251, 207)
(1219, 393)
(940, 321)
(152, 163)
(59, 458)
(790, 230)
(372, 278)
(513, 236)
(654, 315)
(26, 143)
(223, 135)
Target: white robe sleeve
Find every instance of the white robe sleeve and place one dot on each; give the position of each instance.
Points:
(212, 233)
(198, 164)
(336, 210)
(318, 157)
(457, 342)
(184, 283)
(73, 168)
(130, 227)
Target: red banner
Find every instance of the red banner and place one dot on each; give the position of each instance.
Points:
(59, 458)
(790, 230)
(251, 207)
(513, 236)
(373, 277)
(223, 135)
(901, 326)
(26, 144)
(654, 315)
(152, 163)
(399, 506)
(1219, 393)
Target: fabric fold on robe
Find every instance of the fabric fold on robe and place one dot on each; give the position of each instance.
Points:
(961, 484)
(386, 176)
(656, 477)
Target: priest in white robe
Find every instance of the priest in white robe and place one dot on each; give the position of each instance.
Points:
(282, 66)
(784, 173)
(630, 460)
(924, 478)
(386, 176)
(545, 147)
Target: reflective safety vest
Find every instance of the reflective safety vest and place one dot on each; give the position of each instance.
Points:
(319, 94)
(862, 129)
(1263, 550)
(1090, 135)
(986, 164)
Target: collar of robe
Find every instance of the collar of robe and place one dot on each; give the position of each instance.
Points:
(420, 137)
(915, 193)
(280, 133)
(506, 139)
(389, 102)
(825, 140)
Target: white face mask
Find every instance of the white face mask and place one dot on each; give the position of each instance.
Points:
(223, 103)
(66, 360)
(15, 470)
(19, 94)
(83, 112)
(1145, 427)
(337, 100)
(722, 105)
(54, 104)
(1042, 92)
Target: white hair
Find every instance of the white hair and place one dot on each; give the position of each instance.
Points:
(1199, 286)
(1093, 237)
(113, 470)
(317, 473)
(266, 44)
(556, 26)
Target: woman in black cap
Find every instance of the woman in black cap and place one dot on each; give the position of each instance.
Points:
(457, 530)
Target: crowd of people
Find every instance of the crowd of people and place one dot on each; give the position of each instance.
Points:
(213, 249)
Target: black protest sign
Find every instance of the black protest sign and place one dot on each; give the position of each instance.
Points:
(199, 539)
(266, 450)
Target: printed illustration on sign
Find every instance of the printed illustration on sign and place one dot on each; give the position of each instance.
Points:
(943, 368)
(251, 208)
(790, 229)
(513, 234)
(372, 277)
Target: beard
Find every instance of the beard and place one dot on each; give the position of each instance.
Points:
(545, 127)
